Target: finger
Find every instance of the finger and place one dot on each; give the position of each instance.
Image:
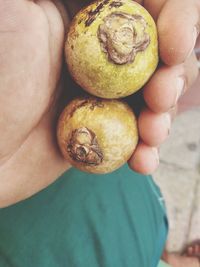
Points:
(177, 41)
(168, 84)
(191, 70)
(56, 38)
(173, 112)
(154, 128)
(145, 160)
(154, 7)
(63, 12)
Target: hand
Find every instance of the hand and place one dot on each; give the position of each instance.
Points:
(178, 25)
(30, 67)
(31, 45)
(31, 55)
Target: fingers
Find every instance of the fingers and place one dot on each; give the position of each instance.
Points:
(154, 7)
(178, 29)
(63, 12)
(154, 123)
(145, 160)
(169, 83)
(56, 38)
(164, 89)
(191, 67)
(154, 128)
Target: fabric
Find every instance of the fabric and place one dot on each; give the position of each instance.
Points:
(86, 220)
(163, 264)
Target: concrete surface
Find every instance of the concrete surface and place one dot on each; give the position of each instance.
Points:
(179, 179)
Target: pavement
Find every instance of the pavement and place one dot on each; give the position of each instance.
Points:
(179, 177)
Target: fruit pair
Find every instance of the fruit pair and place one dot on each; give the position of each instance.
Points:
(111, 52)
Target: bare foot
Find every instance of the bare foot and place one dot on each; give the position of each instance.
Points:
(176, 260)
(189, 258)
(193, 250)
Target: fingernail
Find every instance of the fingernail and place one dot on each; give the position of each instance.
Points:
(155, 154)
(180, 86)
(172, 113)
(167, 122)
(194, 39)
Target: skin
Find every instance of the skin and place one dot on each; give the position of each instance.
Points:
(31, 83)
(188, 259)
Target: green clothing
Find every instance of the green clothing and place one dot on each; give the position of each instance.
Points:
(86, 220)
(163, 264)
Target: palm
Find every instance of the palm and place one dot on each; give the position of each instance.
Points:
(30, 68)
(31, 49)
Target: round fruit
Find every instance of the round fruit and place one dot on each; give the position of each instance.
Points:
(112, 48)
(97, 135)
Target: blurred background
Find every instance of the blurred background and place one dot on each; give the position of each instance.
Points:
(179, 173)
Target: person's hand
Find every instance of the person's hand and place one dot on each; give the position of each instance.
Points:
(30, 62)
(178, 25)
(31, 55)
(31, 47)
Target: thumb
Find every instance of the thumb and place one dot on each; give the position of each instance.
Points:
(178, 29)
(12, 14)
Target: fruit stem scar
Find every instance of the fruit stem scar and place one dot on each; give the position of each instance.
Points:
(92, 14)
(116, 4)
(83, 147)
(94, 102)
(119, 38)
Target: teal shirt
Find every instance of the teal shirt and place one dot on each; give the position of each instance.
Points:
(86, 220)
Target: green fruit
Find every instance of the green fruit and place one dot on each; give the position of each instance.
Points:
(97, 136)
(112, 48)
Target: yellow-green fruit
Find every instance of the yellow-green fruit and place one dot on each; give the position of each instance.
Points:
(97, 136)
(112, 48)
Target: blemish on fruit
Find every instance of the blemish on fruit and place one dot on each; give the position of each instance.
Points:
(119, 38)
(83, 147)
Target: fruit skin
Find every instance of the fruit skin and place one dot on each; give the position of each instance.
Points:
(91, 68)
(112, 123)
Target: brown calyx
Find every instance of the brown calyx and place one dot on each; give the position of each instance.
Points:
(116, 4)
(119, 39)
(83, 147)
(92, 14)
(87, 101)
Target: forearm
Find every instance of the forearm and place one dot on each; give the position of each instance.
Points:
(35, 165)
